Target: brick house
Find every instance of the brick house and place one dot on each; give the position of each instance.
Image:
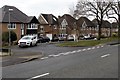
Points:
(67, 26)
(114, 27)
(48, 25)
(15, 20)
(85, 26)
(105, 28)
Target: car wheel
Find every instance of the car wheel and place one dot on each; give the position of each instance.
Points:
(36, 44)
(31, 44)
(20, 46)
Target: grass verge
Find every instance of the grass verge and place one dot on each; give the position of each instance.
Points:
(87, 42)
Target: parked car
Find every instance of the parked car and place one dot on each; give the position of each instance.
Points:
(55, 39)
(81, 37)
(28, 40)
(43, 39)
(88, 37)
(70, 38)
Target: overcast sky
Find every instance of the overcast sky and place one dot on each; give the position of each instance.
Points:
(35, 7)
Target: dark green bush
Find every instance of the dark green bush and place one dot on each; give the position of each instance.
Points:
(5, 36)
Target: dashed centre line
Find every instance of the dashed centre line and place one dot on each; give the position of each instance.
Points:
(105, 55)
(44, 58)
(72, 52)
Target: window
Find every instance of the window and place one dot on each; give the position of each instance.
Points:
(41, 28)
(32, 26)
(55, 27)
(22, 26)
(12, 26)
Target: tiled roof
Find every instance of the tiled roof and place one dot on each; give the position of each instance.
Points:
(51, 19)
(81, 20)
(69, 19)
(16, 15)
(32, 19)
(114, 25)
(105, 23)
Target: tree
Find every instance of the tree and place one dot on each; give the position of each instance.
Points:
(5, 36)
(115, 10)
(96, 8)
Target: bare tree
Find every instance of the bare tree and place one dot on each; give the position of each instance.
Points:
(115, 10)
(96, 8)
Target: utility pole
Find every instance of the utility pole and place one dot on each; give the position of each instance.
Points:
(9, 26)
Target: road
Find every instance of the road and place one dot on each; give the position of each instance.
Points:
(92, 62)
(44, 48)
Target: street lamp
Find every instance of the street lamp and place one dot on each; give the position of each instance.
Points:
(9, 26)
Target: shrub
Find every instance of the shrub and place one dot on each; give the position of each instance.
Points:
(5, 36)
(114, 34)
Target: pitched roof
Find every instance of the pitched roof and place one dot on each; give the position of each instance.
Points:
(105, 23)
(15, 15)
(49, 18)
(114, 25)
(32, 19)
(82, 20)
(69, 19)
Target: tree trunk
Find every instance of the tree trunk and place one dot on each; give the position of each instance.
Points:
(99, 32)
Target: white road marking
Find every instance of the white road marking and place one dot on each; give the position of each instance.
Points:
(56, 55)
(65, 53)
(51, 55)
(78, 51)
(44, 58)
(88, 48)
(93, 48)
(105, 55)
(83, 49)
(98, 46)
(39, 76)
(102, 46)
(71, 52)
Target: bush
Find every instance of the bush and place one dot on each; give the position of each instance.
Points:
(5, 36)
(114, 34)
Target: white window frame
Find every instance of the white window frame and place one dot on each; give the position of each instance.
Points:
(12, 26)
(32, 26)
(41, 28)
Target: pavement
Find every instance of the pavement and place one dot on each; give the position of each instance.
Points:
(19, 57)
(22, 57)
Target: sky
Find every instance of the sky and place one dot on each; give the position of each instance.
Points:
(36, 7)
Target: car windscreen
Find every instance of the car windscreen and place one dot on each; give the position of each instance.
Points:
(27, 38)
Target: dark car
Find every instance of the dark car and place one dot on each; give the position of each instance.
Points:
(55, 39)
(43, 39)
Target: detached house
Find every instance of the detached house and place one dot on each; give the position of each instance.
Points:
(15, 20)
(114, 27)
(105, 27)
(67, 27)
(48, 26)
(85, 26)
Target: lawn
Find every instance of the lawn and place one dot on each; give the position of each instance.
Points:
(87, 42)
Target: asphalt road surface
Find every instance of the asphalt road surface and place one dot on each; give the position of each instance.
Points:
(44, 48)
(92, 62)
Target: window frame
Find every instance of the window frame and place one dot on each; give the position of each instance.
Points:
(11, 26)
